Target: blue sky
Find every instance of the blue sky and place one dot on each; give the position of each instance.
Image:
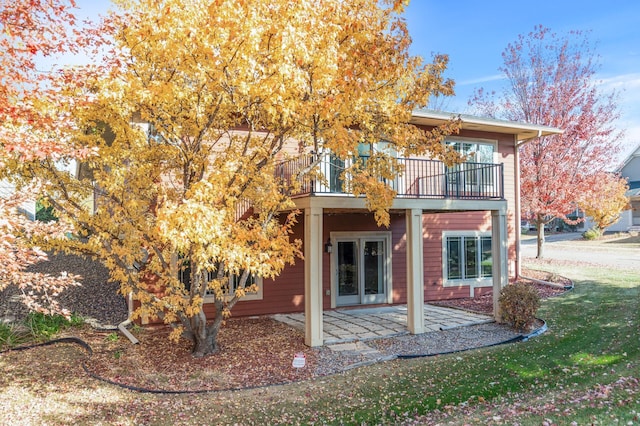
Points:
(474, 33)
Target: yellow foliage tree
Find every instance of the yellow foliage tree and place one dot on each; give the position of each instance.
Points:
(605, 200)
(191, 113)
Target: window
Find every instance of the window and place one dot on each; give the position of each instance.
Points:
(475, 151)
(234, 282)
(472, 175)
(230, 288)
(366, 149)
(334, 167)
(467, 257)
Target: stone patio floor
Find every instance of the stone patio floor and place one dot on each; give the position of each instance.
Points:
(361, 324)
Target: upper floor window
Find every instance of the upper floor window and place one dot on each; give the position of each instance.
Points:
(476, 174)
(475, 151)
(366, 149)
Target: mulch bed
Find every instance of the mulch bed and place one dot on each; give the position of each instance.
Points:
(484, 304)
(252, 352)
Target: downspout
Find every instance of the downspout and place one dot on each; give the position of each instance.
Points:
(518, 212)
(518, 209)
(123, 325)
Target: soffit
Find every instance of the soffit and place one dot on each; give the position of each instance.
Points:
(523, 131)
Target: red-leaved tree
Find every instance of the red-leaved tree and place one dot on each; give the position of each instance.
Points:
(552, 81)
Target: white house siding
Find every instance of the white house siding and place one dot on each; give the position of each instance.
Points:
(28, 208)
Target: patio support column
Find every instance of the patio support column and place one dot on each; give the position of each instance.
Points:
(313, 334)
(500, 255)
(415, 271)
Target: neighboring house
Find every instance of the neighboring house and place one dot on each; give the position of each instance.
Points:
(630, 170)
(630, 219)
(454, 232)
(27, 208)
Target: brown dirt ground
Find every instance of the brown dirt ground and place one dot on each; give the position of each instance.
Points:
(261, 356)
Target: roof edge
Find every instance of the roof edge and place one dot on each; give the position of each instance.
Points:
(524, 131)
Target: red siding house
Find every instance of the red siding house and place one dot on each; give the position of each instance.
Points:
(454, 231)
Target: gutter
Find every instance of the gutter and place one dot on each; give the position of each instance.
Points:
(522, 142)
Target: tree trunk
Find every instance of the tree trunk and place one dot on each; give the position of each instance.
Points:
(540, 225)
(204, 338)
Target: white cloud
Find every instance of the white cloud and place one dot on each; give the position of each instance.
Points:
(486, 79)
(624, 82)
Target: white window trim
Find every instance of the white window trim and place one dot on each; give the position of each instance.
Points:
(471, 282)
(208, 298)
(483, 141)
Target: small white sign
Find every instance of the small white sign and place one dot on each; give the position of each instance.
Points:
(299, 360)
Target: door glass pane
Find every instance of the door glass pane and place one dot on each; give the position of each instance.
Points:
(484, 153)
(454, 251)
(364, 149)
(336, 168)
(486, 259)
(373, 267)
(347, 268)
(471, 258)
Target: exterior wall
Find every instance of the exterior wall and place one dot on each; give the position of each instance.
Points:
(359, 222)
(286, 293)
(631, 169)
(434, 225)
(28, 207)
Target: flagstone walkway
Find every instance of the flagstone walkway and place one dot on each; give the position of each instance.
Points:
(361, 324)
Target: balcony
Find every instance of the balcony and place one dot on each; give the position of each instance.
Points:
(421, 179)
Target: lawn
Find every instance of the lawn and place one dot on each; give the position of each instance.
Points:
(583, 370)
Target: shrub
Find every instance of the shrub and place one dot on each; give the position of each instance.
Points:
(45, 213)
(592, 234)
(11, 335)
(519, 304)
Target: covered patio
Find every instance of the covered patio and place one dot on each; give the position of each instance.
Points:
(361, 324)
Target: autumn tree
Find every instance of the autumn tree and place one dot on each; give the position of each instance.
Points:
(190, 116)
(29, 131)
(551, 81)
(605, 201)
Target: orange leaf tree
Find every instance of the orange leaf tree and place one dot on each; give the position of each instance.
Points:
(552, 82)
(191, 113)
(30, 131)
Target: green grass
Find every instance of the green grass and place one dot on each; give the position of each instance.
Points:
(592, 346)
(584, 369)
(37, 327)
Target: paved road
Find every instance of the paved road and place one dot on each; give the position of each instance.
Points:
(571, 247)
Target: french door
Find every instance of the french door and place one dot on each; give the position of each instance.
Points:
(361, 270)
